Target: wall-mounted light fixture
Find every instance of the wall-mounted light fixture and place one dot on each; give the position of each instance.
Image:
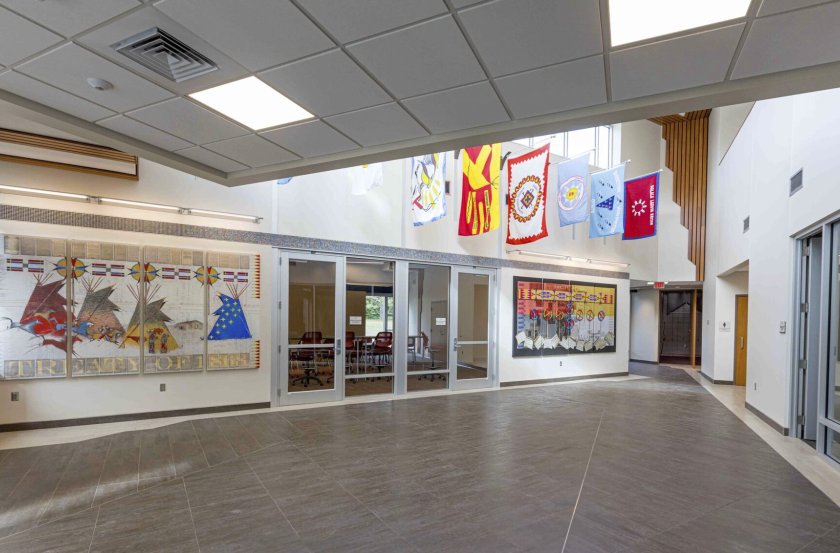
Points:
(25, 191)
(572, 259)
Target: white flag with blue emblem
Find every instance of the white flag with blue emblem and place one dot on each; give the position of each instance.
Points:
(606, 214)
(571, 190)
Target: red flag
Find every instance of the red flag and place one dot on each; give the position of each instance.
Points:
(641, 197)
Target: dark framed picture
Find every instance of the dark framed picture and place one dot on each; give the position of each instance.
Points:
(562, 317)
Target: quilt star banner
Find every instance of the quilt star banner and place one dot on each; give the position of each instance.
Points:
(480, 212)
(428, 188)
(527, 185)
(641, 197)
(364, 178)
(572, 196)
(606, 215)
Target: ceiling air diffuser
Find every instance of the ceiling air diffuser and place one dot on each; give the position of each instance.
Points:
(164, 54)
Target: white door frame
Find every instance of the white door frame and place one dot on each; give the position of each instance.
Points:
(315, 395)
(492, 331)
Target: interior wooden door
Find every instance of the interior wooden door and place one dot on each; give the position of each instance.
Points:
(741, 340)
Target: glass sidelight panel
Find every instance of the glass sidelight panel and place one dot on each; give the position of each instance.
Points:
(472, 345)
(832, 394)
(427, 355)
(369, 327)
(311, 325)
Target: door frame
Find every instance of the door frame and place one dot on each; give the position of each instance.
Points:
(492, 330)
(336, 393)
(735, 359)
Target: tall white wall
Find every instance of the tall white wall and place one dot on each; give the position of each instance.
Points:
(512, 369)
(318, 206)
(644, 325)
(778, 138)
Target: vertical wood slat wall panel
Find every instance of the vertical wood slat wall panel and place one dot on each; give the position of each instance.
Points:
(686, 155)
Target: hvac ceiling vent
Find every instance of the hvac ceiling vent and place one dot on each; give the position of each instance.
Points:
(164, 54)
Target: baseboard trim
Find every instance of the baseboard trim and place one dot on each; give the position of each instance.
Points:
(645, 362)
(713, 381)
(773, 424)
(17, 426)
(563, 379)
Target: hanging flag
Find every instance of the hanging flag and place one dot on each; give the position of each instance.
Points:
(284, 180)
(428, 188)
(607, 202)
(527, 182)
(571, 190)
(641, 199)
(364, 178)
(480, 190)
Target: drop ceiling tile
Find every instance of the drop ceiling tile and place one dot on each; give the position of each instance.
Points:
(419, 59)
(256, 33)
(69, 66)
(348, 21)
(20, 38)
(52, 97)
(252, 151)
(463, 3)
(516, 35)
(102, 39)
(211, 159)
(311, 139)
(675, 64)
(188, 121)
(327, 84)
(790, 41)
(141, 131)
(561, 87)
(70, 17)
(465, 107)
(377, 125)
(770, 7)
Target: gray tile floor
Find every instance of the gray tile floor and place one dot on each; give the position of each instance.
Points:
(654, 465)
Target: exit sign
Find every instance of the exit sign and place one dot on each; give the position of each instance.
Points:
(658, 285)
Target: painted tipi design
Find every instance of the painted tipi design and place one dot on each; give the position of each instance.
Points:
(231, 323)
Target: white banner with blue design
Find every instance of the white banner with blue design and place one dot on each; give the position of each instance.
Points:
(606, 215)
(572, 203)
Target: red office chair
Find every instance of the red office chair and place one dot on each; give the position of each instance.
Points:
(383, 346)
(307, 358)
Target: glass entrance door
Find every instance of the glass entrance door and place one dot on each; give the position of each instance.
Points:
(472, 363)
(311, 328)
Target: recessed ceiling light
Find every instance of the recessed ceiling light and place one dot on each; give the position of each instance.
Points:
(253, 103)
(635, 20)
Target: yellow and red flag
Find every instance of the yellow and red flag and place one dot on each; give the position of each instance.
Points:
(480, 190)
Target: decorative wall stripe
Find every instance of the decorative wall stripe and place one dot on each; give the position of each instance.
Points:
(284, 241)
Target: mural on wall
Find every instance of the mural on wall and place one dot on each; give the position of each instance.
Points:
(233, 282)
(559, 317)
(105, 294)
(33, 308)
(114, 309)
(174, 310)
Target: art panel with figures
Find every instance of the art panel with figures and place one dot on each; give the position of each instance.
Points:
(105, 280)
(174, 310)
(35, 321)
(233, 335)
(560, 317)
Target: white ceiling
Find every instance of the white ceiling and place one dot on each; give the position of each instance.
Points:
(389, 78)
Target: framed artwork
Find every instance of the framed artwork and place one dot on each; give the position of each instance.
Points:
(174, 310)
(35, 320)
(105, 280)
(233, 326)
(561, 317)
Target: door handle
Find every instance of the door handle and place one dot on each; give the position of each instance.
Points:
(742, 342)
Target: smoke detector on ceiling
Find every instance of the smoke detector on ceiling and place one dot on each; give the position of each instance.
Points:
(164, 54)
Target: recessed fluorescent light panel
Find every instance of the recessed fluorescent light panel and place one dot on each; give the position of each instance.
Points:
(253, 103)
(635, 20)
